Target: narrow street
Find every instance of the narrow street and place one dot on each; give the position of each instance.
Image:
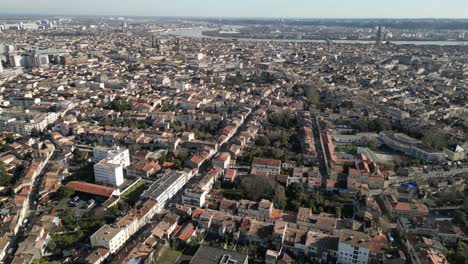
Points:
(322, 165)
(29, 218)
(146, 230)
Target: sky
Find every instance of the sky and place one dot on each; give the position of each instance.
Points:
(245, 8)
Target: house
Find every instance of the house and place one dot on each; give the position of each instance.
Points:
(270, 166)
(230, 175)
(143, 169)
(228, 206)
(423, 250)
(185, 233)
(455, 153)
(442, 230)
(396, 208)
(258, 210)
(97, 256)
(166, 226)
(195, 161)
(223, 160)
(260, 232)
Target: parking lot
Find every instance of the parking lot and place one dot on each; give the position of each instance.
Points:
(80, 204)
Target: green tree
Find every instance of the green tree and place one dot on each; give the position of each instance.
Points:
(338, 212)
(459, 255)
(262, 141)
(119, 105)
(435, 138)
(66, 192)
(295, 191)
(312, 94)
(459, 218)
(256, 187)
(5, 179)
(280, 197)
(9, 139)
(347, 104)
(293, 205)
(78, 154)
(372, 144)
(133, 148)
(35, 133)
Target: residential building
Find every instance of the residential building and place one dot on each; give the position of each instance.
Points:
(110, 165)
(270, 166)
(353, 247)
(194, 197)
(112, 238)
(211, 255)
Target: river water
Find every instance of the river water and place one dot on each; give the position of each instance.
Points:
(197, 33)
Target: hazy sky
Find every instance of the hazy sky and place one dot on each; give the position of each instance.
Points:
(245, 8)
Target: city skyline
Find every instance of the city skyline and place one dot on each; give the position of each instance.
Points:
(244, 8)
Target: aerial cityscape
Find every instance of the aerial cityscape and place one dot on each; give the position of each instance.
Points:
(221, 137)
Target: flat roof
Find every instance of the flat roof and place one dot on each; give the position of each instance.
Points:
(212, 255)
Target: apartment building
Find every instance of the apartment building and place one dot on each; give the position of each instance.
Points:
(110, 237)
(110, 165)
(353, 247)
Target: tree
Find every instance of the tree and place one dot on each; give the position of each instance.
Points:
(35, 133)
(280, 197)
(66, 192)
(277, 153)
(435, 138)
(9, 139)
(459, 255)
(78, 154)
(119, 105)
(347, 104)
(5, 179)
(295, 194)
(459, 218)
(312, 94)
(133, 148)
(293, 205)
(256, 187)
(338, 212)
(295, 191)
(372, 144)
(262, 141)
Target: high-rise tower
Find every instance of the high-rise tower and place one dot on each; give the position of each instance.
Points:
(379, 35)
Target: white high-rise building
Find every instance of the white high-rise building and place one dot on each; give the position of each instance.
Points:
(353, 247)
(110, 237)
(110, 165)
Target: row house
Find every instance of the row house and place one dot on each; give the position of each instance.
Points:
(442, 230)
(307, 221)
(270, 166)
(396, 208)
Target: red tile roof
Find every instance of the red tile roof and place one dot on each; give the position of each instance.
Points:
(267, 162)
(276, 214)
(90, 188)
(186, 232)
(197, 212)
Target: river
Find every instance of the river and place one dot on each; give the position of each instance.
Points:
(197, 33)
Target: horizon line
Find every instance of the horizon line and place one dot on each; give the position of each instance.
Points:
(222, 17)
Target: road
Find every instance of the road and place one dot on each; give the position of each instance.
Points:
(134, 241)
(31, 211)
(319, 149)
(205, 167)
